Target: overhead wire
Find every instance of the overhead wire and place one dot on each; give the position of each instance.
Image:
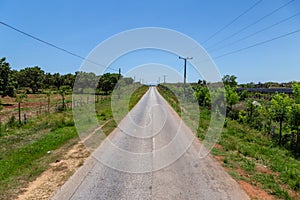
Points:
(252, 24)
(227, 25)
(257, 44)
(256, 32)
(55, 46)
(232, 21)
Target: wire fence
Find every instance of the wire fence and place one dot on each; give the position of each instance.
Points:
(36, 109)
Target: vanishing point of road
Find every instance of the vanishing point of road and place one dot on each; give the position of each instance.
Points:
(148, 157)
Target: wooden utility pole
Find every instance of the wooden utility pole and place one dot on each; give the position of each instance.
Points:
(184, 73)
(119, 84)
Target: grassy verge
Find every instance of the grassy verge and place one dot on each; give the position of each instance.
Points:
(26, 151)
(264, 164)
(104, 111)
(170, 97)
(137, 95)
(250, 156)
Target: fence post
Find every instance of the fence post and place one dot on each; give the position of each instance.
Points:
(25, 118)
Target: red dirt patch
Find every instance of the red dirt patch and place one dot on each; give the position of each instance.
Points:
(254, 192)
(293, 194)
(219, 159)
(242, 172)
(264, 169)
(217, 146)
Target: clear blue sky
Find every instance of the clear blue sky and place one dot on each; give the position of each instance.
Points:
(79, 26)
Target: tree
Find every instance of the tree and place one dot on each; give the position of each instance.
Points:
(294, 114)
(5, 78)
(85, 80)
(202, 82)
(231, 96)
(1, 107)
(57, 81)
(48, 81)
(31, 77)
(230, 84)
(68, 79)
(279, 107)
(218, 99)
(255, 111)
(62, 91)
(296, 92)
(244, 95)
(107, 82)
(13, 80)
(294, 123)
(4, 74)
(230, 80)
(202, 95)
(265, 116)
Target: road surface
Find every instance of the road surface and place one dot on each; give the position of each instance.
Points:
(151, 155)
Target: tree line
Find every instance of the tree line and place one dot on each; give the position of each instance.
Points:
(35, 80)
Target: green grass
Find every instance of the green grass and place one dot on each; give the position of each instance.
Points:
(137, 95)
(104, 109)
(109, 127)
(24, 150)
(245, 148)
(17, 160)
(269, 184)
(170, 97)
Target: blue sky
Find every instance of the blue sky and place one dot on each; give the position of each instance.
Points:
(79, 26)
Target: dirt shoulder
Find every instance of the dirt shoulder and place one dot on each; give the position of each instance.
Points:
(57, 173)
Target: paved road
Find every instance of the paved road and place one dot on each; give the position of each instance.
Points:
(151, 155)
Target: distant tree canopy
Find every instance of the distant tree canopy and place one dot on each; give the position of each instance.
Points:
(31, 77)
(85, 80)
(6, 77)
(230, 80)
(107, 82)
(35, 80)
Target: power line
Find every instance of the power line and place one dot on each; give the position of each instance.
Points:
(252, 24)
(257, 44)
(54, 46)
(255, 33)
(232, 21)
